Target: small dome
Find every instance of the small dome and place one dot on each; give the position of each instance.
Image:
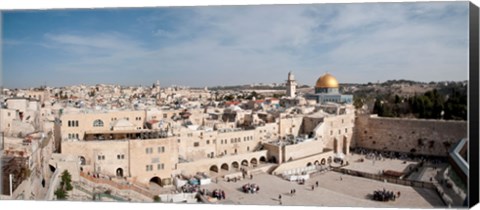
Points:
(327, 81)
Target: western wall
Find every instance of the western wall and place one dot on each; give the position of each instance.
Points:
(417, 136)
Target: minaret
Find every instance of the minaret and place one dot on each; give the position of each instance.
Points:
(157, 87)
(291, 85)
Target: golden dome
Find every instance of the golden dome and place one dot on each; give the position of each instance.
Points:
(327, 81)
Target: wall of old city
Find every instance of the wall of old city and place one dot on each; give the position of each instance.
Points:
(428, 137)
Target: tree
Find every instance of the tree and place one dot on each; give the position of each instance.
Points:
(357, 102)
(229, 97)
(397, 99)
(61, 194)
(377, 107)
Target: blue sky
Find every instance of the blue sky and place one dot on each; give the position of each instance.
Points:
(228, 45)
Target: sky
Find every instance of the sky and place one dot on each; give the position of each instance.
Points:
(233, 45)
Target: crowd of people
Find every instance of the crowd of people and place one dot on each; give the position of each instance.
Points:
(385, 195)
(189, 188)
(250, 188)
(372, 154)
(218, 194)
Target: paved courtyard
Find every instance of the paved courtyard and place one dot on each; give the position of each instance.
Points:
(375, 166)
(349, 192)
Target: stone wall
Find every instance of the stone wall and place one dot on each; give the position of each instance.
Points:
(227, 163)
(420, 136)
(303, 162)
(301, 150)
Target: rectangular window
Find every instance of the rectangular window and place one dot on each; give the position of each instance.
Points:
(208, 141)
(160, 166)
(196, 144)
(164, 115)
(69, 123)
(161, 149)
(346, 130)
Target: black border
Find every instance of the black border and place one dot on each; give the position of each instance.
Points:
(473, 194)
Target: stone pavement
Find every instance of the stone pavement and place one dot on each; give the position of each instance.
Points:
(348, 192)
(375, 166)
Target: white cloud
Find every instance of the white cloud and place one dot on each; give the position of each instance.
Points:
(235, 45)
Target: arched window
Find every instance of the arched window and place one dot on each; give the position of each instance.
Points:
(98, 123)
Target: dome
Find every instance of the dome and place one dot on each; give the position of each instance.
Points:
(327, 81)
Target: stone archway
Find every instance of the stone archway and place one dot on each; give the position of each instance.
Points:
(156, 180)
(263, 159)
(214, 168)
(273, 159)
(254, 161)
(309, 164)
(83, 161)
(323, 161)
(244, 162)
(224, 167)
(316, 163)
(119, 172)
(235, 164)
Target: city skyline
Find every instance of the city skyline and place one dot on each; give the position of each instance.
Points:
(232, 45)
